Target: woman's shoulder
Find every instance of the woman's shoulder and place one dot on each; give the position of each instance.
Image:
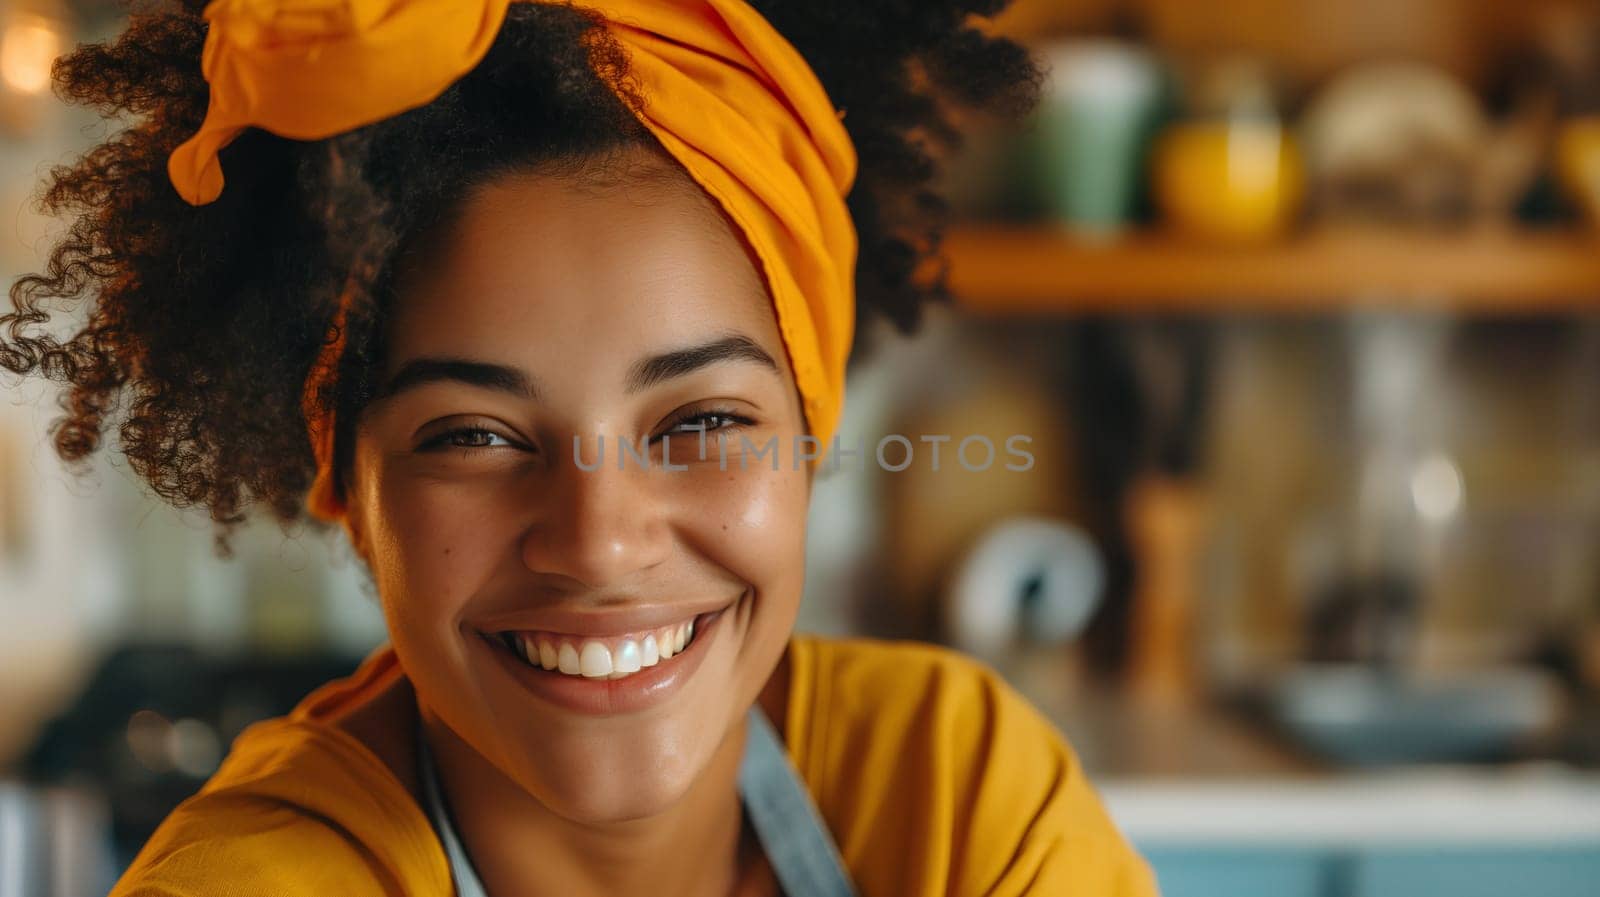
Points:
(854, 660)
(865, 690)
(299, 807)
(937, 776)
(872, 694)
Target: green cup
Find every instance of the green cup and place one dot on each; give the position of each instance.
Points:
(1092, 133)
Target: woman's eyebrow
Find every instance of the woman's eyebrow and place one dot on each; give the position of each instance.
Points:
(645, 373)
(499, 377)
(648, 372)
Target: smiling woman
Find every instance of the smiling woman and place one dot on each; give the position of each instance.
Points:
(586, 317)
(456, 239)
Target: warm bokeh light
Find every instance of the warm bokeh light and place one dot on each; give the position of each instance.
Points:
(27, 48)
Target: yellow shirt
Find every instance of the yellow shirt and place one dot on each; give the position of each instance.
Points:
(934, 776)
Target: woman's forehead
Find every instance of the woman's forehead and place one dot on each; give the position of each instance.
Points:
(543, 266)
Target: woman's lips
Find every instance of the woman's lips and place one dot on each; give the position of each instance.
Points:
(607, 692)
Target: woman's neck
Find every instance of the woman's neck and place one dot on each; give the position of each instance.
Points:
(518, 846)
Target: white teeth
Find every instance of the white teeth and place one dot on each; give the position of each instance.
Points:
(598, 660)
(567, 659)
(595, 660)
(627, 656)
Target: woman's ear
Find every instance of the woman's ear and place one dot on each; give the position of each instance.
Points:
(354, 520)
(357, 538)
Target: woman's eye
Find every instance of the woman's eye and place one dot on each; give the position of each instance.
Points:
(465, 437)
(707, 421)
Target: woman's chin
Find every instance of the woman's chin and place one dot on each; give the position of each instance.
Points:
(614, 780)
(587, 811)
(603, 797)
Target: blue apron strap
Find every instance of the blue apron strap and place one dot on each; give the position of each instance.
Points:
(466, 877)
(792, 833)
(796, 840)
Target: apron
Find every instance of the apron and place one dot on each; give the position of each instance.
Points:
(797, 843)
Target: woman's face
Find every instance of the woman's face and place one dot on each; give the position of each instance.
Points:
(554, 310)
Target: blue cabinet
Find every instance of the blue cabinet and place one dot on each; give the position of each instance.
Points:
(1241, 872)
(1493, 872)
(1222, 871)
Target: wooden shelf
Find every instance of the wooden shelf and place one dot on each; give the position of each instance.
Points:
(1038, 270)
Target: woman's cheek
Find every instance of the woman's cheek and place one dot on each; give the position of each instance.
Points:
(438, 539)
(751, 522)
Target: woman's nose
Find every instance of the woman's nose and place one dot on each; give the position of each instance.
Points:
(599, 526)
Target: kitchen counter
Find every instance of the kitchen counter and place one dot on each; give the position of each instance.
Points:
(1222, 807)
(1461, 833)
(1536, 807)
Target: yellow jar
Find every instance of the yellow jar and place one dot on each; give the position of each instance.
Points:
(1578, 163)
(1228, 181)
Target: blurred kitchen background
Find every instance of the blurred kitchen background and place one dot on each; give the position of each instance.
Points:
(1299, 304)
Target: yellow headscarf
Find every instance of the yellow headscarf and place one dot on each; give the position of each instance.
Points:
(722, 90)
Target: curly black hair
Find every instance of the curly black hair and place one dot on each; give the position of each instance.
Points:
(202, 323)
